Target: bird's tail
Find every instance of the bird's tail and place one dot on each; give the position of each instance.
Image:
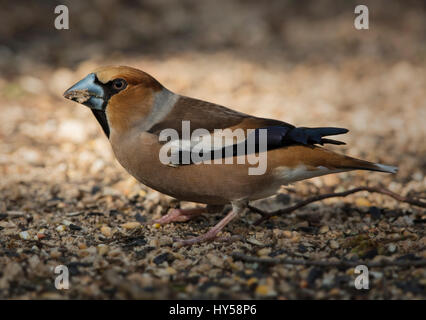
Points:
(349, 163)
(319, 156)
(316, 136)
(357, 164)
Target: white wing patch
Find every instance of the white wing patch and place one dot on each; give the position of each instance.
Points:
(206, 142)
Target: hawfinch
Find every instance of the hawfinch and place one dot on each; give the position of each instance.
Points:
(202, 152)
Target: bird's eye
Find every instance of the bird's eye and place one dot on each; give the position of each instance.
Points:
(119, 84)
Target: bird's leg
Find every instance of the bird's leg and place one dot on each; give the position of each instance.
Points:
(183, 215)
(237, 209)
(179, 215)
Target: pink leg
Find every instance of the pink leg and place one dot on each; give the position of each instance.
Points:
(212, 233)
(179, 215)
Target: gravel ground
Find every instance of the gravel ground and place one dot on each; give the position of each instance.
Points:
(64, 200)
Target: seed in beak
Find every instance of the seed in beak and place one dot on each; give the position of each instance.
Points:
(79, 96)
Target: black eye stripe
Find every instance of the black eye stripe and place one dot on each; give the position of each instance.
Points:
(110, 90)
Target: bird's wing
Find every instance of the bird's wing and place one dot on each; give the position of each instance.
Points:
(222, 131)
(209, 116)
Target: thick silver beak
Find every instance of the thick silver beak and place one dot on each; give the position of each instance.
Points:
(87, 92)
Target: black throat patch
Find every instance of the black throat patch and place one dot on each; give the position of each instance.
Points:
(102, 119)
(100, 115)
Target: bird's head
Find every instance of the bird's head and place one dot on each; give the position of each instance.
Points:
(116, 95)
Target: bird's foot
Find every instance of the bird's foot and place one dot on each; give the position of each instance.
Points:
(213, 232)
(179, 215)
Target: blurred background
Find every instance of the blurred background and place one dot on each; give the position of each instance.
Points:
(302, 62)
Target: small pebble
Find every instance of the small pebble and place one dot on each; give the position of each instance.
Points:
(324, 229)
(131, 225)
(391, 247)
(303, 284)
(334, 292)
(55, 253)
(277, 233)
(362, 202)
(24, 235)
(255, 242)
(171, 271)
(409, 235)
(295, 237)
(106, 231)
(334, 244)
(40, 236)
(215, 260)
(287, 234)
(82, 246)
(102, 249)
(264, 252)
(66, 222)
(251, 281)
(61, 228)
(114, 253)
(264, 291)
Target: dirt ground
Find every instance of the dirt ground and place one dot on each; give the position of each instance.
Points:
(64, 199)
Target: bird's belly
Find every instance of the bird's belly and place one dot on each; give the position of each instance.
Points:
(204, 183)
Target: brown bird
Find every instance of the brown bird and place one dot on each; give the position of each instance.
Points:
(202, 152)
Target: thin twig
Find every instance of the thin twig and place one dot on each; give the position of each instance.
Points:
(333, 264)
(303, 203)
